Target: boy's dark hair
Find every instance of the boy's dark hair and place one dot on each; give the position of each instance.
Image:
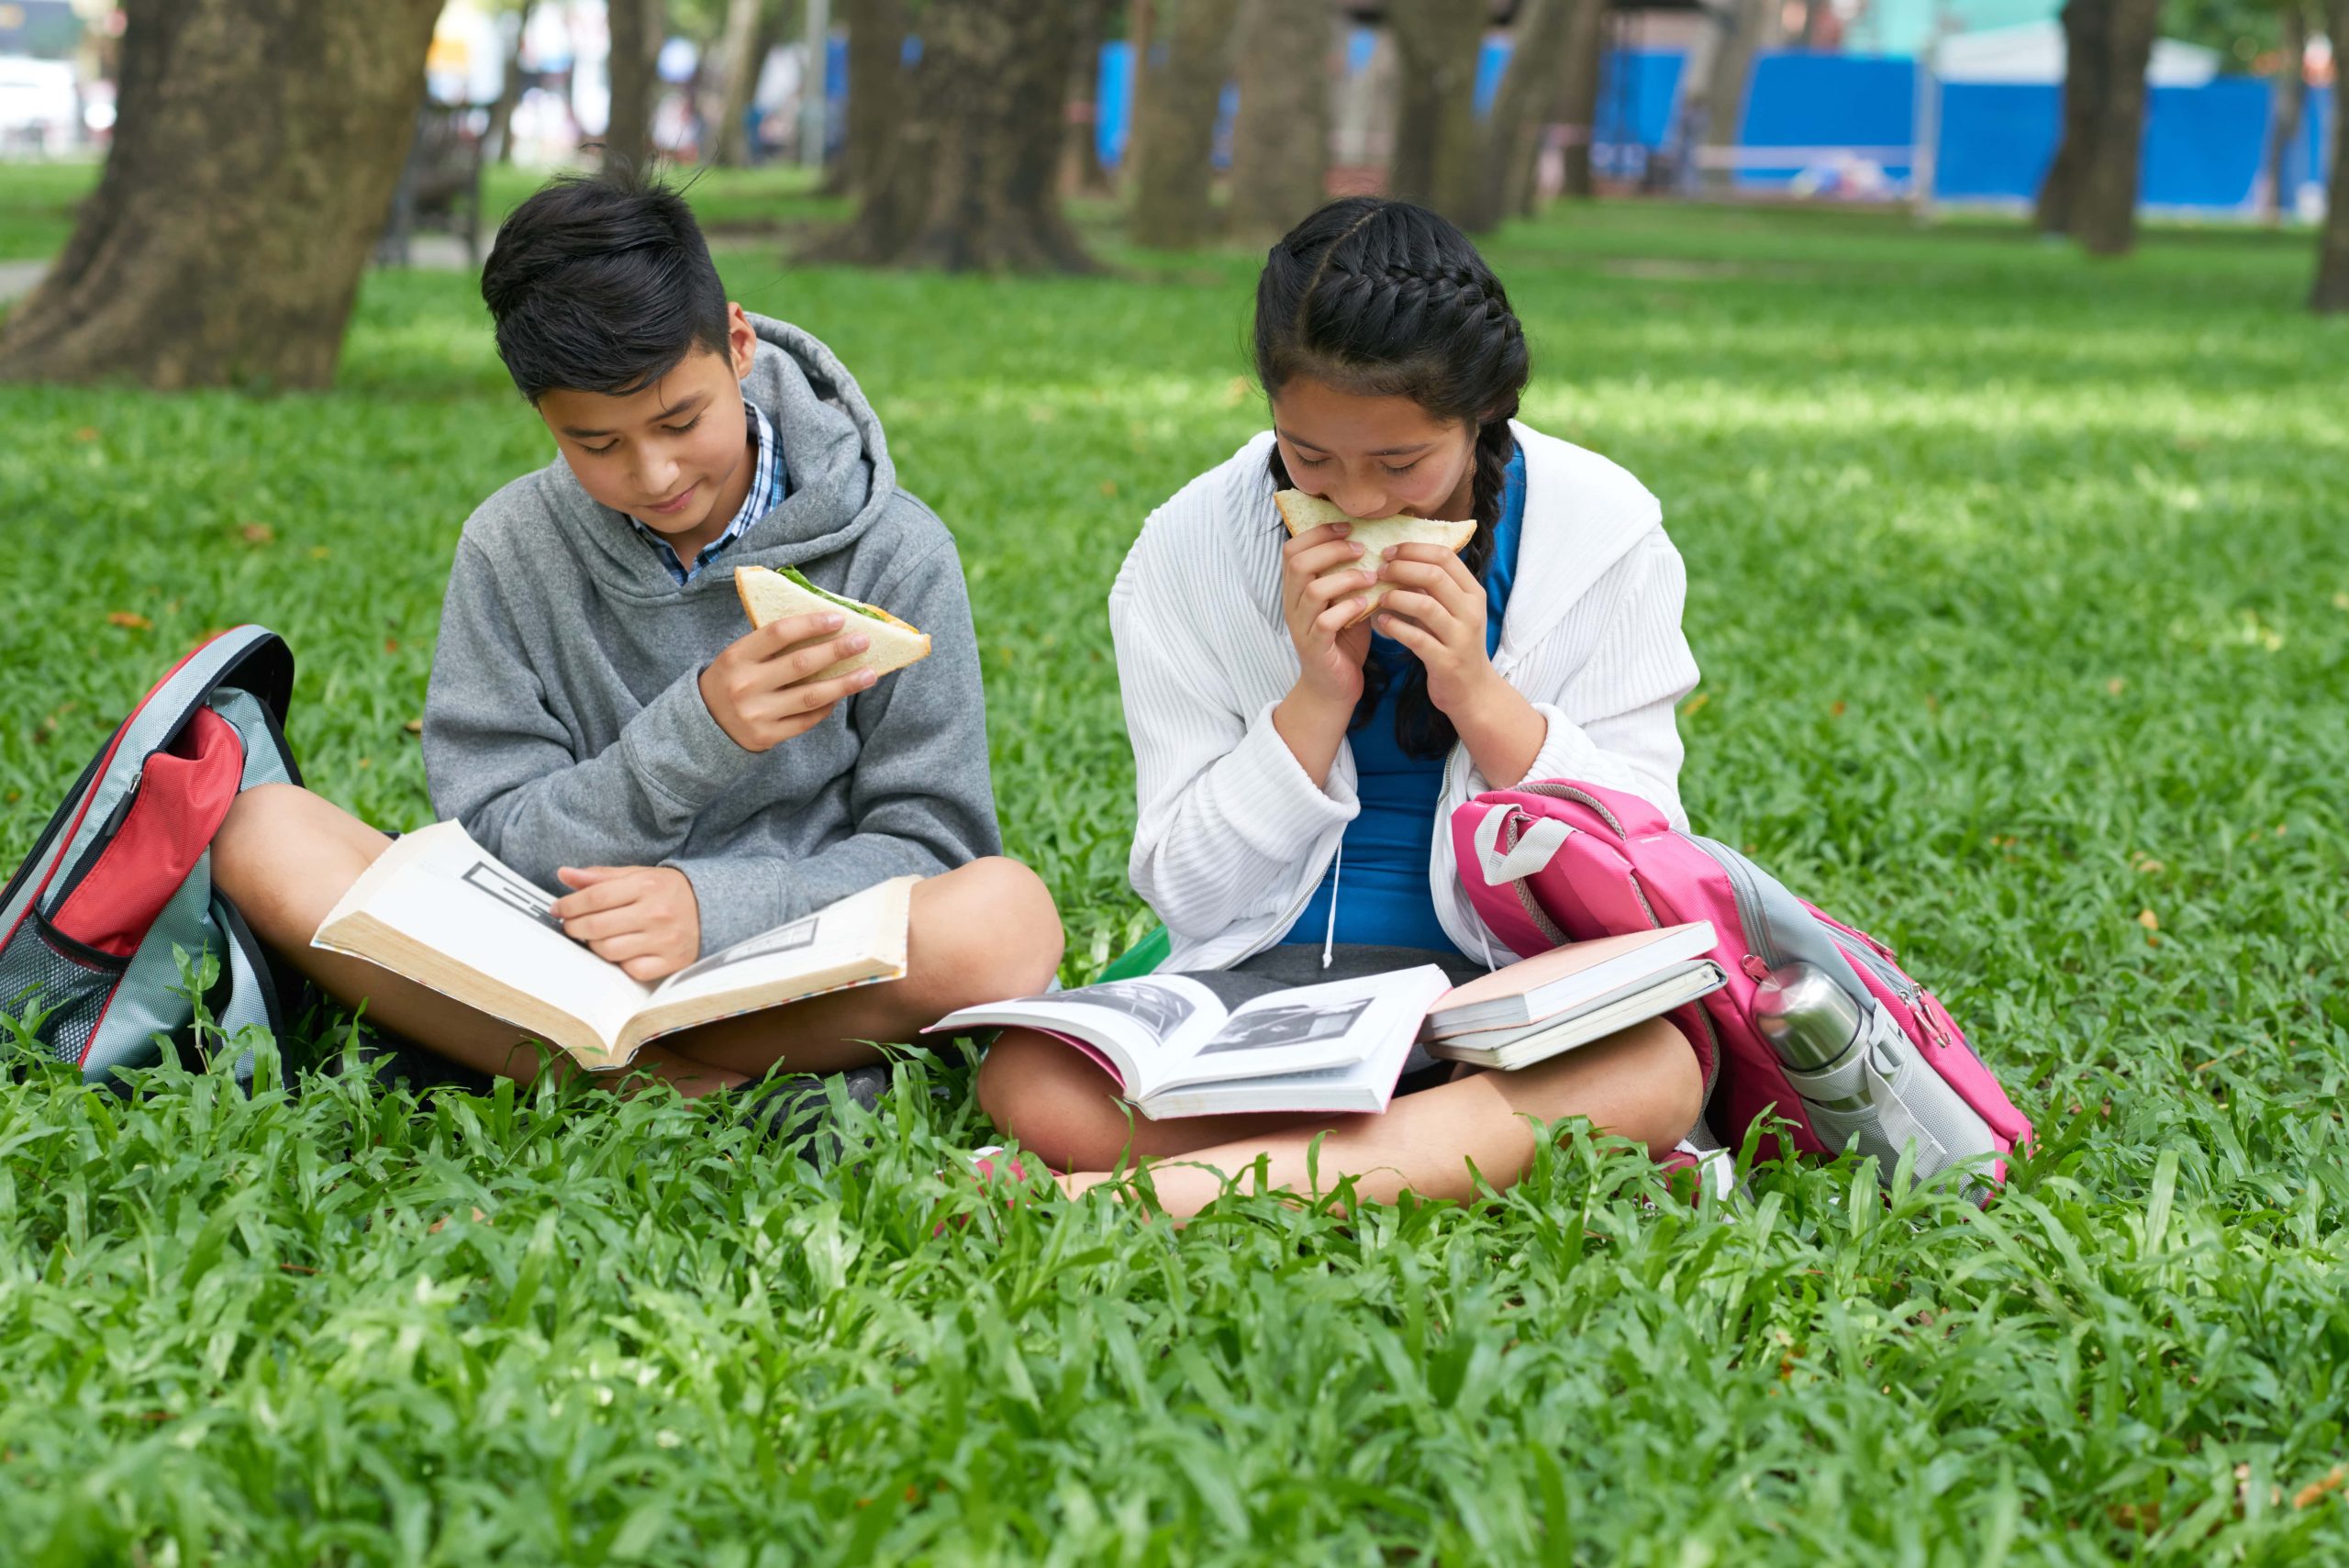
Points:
(1382, 298)
(601, 282)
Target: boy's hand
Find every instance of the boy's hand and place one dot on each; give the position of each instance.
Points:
(758, 689)
(643, 919)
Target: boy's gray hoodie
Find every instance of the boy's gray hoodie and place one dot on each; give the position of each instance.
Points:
(565, 725)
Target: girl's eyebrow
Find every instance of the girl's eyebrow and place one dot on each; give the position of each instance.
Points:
(1383, 451)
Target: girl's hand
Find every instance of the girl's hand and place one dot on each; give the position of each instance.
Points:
(1437, 610)
(643, 919)
(1322, 579)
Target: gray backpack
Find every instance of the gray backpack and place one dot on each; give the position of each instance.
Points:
(117, 891)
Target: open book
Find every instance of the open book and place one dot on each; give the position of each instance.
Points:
(1178, 1051)
(441, 910)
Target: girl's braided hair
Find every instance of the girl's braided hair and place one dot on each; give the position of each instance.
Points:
(1383, 298)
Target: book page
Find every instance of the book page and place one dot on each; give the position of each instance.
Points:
(1314, 1028)
(859, 940)
(1147, 1027)
(439, 909)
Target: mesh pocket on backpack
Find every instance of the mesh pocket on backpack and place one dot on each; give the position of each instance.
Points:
(69, 984)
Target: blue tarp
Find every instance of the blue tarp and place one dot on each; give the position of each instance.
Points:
(2203, 145)
(1798, 100)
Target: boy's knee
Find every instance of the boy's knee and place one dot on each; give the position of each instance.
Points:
(276, 833)
(996, 934)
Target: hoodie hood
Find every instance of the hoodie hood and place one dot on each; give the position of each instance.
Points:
(839, 478)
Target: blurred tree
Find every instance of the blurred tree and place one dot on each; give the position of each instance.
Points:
(881, 133)
(2332, 290)
(1436, 141)
(248, 176)
(638, 28)
(1530, 89)
(971, 183)
(1184, 76)
(500, 140)
(1742, 28)
(1082, 171)
(752, 29)
(2291, 99)
(2090, 192)
(1577, 108)
(1280, 140)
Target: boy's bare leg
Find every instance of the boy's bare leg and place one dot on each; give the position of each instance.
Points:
(983, 932)
(1642, 1083)
(285, 856)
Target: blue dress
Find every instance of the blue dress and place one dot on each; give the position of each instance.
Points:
(1384, 861)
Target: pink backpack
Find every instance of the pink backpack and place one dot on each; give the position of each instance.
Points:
(1559, 860)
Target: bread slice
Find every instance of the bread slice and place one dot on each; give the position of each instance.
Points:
(1301, 512)
(769, 595)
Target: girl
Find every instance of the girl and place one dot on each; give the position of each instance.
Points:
(1297, 771)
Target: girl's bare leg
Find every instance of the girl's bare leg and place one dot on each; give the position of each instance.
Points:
(1642, 1083)
(285, 856)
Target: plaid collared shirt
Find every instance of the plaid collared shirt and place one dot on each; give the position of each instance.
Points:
(766, 489)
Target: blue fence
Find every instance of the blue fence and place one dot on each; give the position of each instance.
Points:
(2203, 147)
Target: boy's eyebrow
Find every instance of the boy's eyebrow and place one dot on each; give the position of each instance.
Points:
(1296, 441)
(580, 432)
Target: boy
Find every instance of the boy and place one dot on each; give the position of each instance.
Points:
(599, 720)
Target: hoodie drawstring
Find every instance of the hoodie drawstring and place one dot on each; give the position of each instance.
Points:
(1329, 932)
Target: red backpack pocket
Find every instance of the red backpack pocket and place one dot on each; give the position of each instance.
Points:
(184, 792)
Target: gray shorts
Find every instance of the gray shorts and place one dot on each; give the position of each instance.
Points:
(1292, 964)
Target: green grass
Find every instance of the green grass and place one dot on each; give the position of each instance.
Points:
(36, 201)
(2019, 587)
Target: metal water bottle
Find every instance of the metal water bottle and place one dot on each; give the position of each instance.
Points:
(1811, 1022)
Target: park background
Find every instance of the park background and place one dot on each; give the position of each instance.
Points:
(2018, 579)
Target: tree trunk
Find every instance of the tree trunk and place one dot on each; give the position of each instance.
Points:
(886, 165)
(2332, 290)
(1280, 142)
(1141, 36)
(1577, 111)
(637, 28)
(1745, 27)
(250, 171)
(1174, 170)
(2088, 31)
(740, 57)
(2104, 199)
(1513, 133)
(2291, 97)
(509, 93)
(1436, 151)
(971, 183)
(1082, 171)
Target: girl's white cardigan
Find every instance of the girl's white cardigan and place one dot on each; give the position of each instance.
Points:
(1233, 837)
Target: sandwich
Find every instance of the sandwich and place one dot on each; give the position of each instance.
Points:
(1300, 512)
(770, 594)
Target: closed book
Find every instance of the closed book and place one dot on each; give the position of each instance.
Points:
(1525, 1044)
(1569, 979)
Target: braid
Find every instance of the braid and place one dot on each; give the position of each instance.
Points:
(1385, 298)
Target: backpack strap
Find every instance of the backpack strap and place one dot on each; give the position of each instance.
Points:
(252, 986)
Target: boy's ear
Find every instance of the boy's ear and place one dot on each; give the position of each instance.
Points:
(741, 342)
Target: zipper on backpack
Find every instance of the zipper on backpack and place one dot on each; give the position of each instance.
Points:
(1567, 792)
(1747, 897)
(1877, 964)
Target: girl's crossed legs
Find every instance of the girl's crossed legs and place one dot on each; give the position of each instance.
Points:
(1642, 1083)
(980, 933)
